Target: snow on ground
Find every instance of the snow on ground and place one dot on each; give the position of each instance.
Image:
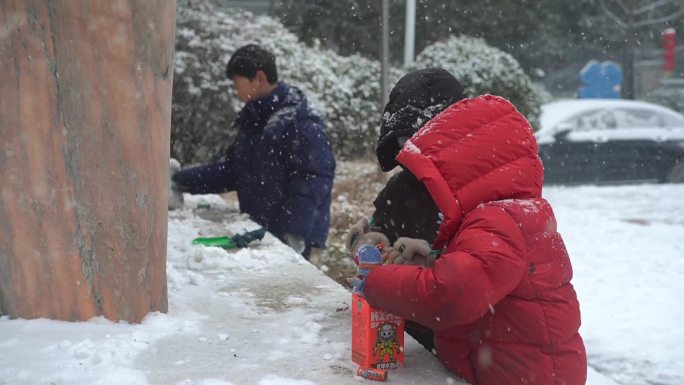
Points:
(627, 250)
(264, 316)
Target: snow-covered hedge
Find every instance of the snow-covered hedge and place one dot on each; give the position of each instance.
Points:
(672, 97)
(483, 69)
(344, 88)
(201, 112)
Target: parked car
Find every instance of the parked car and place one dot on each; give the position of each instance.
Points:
(609, 141)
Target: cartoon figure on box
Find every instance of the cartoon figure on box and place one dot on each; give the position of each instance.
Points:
(386, 345)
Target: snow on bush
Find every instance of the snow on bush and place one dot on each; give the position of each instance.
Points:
(345, 89)
(672, 97)
(483, 69)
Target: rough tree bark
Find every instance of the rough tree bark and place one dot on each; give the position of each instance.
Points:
(85, 104)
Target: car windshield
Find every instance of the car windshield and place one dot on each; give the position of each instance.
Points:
(622, 118)
(638, 119)
(594, 120)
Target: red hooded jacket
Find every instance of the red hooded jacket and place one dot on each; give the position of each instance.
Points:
(499, 298)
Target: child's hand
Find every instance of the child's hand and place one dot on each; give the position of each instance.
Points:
(411, 251)
(354, 234)
(360, 234)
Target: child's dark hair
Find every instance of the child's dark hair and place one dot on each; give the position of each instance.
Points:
(247, 60)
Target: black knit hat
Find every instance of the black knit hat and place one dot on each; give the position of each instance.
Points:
(415, 99)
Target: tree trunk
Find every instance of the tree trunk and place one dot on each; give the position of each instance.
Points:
(85, 106)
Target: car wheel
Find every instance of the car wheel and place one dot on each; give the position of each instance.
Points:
(676, 174)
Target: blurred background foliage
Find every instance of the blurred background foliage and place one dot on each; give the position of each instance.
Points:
(527, 51)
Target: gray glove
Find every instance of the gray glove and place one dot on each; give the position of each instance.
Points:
(360, 234)
(296, 242)
(354, 234)
(411, 251)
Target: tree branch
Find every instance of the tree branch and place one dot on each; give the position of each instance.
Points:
(650, 7)
(624, 8)
(659, 20)
(610, 14)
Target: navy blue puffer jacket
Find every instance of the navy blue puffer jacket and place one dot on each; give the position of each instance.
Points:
(281, 165)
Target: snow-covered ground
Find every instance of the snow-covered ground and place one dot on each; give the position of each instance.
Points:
(627, 250)
(264, 316)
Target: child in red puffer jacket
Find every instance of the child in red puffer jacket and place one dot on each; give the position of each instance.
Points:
(497, 303)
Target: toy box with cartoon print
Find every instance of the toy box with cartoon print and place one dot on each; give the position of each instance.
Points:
(377, 336)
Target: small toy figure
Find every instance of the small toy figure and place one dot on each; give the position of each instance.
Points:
(367, 258)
